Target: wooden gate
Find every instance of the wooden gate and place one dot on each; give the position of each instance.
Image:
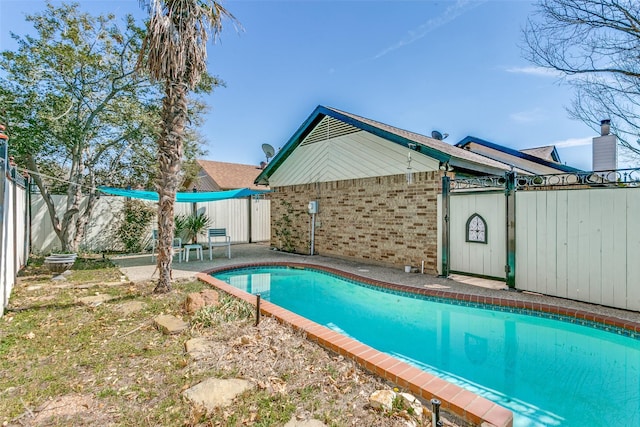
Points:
(478, 233)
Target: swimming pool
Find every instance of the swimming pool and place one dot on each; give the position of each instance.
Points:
(548, 372)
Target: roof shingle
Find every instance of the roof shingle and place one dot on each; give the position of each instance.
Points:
(217, 176)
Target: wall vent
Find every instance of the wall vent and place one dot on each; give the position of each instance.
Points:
(329, 128)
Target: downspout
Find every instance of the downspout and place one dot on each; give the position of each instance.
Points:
(313, 233)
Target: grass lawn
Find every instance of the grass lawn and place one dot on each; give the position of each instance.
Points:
(65, 363)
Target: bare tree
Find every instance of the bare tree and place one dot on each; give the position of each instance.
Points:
(595, 46)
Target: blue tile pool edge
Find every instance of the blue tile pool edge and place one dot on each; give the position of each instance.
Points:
(580, 317)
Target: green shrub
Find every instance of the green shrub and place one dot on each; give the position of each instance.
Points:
(135, 225)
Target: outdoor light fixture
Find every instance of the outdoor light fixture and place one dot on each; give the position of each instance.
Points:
(409, 171)
(444, 166)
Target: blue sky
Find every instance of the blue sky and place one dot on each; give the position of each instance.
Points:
(454, 66)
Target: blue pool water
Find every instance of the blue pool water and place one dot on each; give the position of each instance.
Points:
(548, 372)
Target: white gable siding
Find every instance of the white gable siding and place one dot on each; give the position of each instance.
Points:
(353, 156)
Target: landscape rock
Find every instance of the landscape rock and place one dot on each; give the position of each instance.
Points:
(210, 297)
(197, 300)
(198, 348)
(410, 401)
(169, 324)
(95, 300)
(216, 392)
(382, 399)
(129, 307)
(193, 303)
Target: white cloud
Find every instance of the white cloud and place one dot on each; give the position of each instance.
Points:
(573, 142)
(535, 71)
(528, 116)
(460, 7)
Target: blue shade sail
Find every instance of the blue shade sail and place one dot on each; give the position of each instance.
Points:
(184, 197)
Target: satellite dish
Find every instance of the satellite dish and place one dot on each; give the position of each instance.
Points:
(269, 151)
(439, 136)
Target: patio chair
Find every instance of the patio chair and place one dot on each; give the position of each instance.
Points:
(219, 237)
(176, 246)
(154, 243)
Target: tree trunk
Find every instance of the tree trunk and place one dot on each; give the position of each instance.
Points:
(174, 116)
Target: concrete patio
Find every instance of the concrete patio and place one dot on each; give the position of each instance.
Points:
(140, 267)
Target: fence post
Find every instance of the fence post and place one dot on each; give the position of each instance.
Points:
(27, 219)
(446, 198)
(14, 215)
(510, 194)
(3, 210)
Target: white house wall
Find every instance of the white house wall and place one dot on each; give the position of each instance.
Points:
(580, 244)
(352, 156)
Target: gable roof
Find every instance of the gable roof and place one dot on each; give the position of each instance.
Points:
(547, 152)
(218, 176)
(445, 153)
(520, 159)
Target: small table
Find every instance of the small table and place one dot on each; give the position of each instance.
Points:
(187, 249)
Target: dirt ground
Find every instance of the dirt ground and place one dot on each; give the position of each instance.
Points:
(63, 363)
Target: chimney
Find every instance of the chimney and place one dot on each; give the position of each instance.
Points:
(605, 149)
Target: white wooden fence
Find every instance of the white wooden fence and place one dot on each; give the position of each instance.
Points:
(246, 220)
(579, 243)
(14, 249)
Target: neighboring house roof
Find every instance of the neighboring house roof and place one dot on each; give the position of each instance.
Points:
(529, 162)
(333, 145)
(219, 176)
(548, 153)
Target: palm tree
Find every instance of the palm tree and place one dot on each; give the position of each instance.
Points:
(174, 53)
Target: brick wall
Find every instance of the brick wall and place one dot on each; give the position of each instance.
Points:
(380, 220)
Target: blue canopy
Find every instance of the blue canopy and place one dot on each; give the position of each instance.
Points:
(184, 197)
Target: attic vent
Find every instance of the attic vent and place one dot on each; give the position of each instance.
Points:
(329, 128)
